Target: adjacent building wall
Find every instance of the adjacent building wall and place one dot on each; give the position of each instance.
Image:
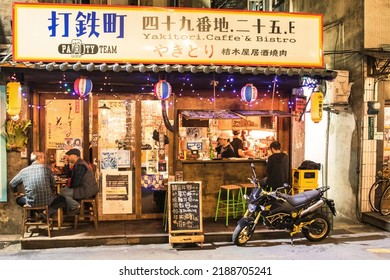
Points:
(343, 41)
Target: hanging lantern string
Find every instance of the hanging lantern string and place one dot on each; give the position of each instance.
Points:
(273, 95)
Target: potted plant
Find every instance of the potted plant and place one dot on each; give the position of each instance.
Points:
(16, 134)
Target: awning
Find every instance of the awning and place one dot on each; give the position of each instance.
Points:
(203, 115)
(140, 78)
(263, 113)
(227, 114)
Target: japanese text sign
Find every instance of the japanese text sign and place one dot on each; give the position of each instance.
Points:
(110, 34)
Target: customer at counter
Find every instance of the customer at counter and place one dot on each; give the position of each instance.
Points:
(277, 168)
(224, 150)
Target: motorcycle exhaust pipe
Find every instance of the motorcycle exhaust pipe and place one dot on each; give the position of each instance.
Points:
(312, 208)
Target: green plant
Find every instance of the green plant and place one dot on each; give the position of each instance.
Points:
(16, 134)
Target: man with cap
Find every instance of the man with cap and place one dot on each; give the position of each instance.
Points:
(82, 182)
(224, 150)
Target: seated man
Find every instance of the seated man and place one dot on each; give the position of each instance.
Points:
(38, 182)
(82, 182)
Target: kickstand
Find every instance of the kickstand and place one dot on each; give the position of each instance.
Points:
(292, 241)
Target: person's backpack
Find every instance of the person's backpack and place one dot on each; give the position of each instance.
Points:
(310, 165)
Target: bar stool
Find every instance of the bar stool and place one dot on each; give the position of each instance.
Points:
(88, 212)
(59, 218)
(31, 218)
(233, 202)
(246, 186)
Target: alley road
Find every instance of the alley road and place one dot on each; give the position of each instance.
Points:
(357, 252)
(366, 243)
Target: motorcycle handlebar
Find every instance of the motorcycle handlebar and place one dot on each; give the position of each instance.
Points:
(253, 170)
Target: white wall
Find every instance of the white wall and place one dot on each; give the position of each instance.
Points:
(341, 129)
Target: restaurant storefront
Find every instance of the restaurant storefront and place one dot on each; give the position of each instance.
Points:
(161, 94)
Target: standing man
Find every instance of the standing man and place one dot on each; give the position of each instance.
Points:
(237, 144)
(277, 168)
(38, 182)
(82, 182)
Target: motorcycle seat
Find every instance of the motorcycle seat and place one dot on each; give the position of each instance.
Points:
(302, 198)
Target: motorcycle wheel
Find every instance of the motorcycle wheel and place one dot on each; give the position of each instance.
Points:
(318, 230)
(241, 235)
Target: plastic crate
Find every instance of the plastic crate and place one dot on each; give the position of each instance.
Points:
(304, 179)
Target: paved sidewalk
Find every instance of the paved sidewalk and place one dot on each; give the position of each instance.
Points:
(152, 232)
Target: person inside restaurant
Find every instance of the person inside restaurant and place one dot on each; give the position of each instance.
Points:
(224, 150)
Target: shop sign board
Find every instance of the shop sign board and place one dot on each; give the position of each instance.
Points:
(117, 192)
(114, 34)
(185, 212)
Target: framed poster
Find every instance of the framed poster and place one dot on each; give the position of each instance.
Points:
(64, 123)
(117, 191)
(3, 153)
(386, 138)
(109, 159)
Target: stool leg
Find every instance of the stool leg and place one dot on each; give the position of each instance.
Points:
(165, 215)
(216, 211)
(24, 221)
(94, 209)
(242, 200)
(227, 208)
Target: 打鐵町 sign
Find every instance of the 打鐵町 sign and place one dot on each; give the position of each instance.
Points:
(110, 34)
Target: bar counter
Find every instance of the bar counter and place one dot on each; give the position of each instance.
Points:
(215, 173)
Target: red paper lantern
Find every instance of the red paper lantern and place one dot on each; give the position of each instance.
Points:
(248, 93)
(162, 90)
(83, 86)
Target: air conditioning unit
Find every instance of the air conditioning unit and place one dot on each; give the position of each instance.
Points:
(338, 90)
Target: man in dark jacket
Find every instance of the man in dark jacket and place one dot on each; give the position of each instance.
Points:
(82, 182)
(277, 168)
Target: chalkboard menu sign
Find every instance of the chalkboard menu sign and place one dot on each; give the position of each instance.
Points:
(185, 207)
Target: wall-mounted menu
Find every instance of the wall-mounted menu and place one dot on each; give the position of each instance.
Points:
(185, 207)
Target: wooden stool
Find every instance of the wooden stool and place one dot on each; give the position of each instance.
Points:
(165, 215)
(88, 212)
(59, 217)
(32, 219)
(246, 187)
(233, 204)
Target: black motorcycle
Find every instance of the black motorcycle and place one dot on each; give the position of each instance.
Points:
(277, 210)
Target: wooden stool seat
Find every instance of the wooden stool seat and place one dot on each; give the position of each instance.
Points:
(32, 217)
(88, 212)
(232, 203)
